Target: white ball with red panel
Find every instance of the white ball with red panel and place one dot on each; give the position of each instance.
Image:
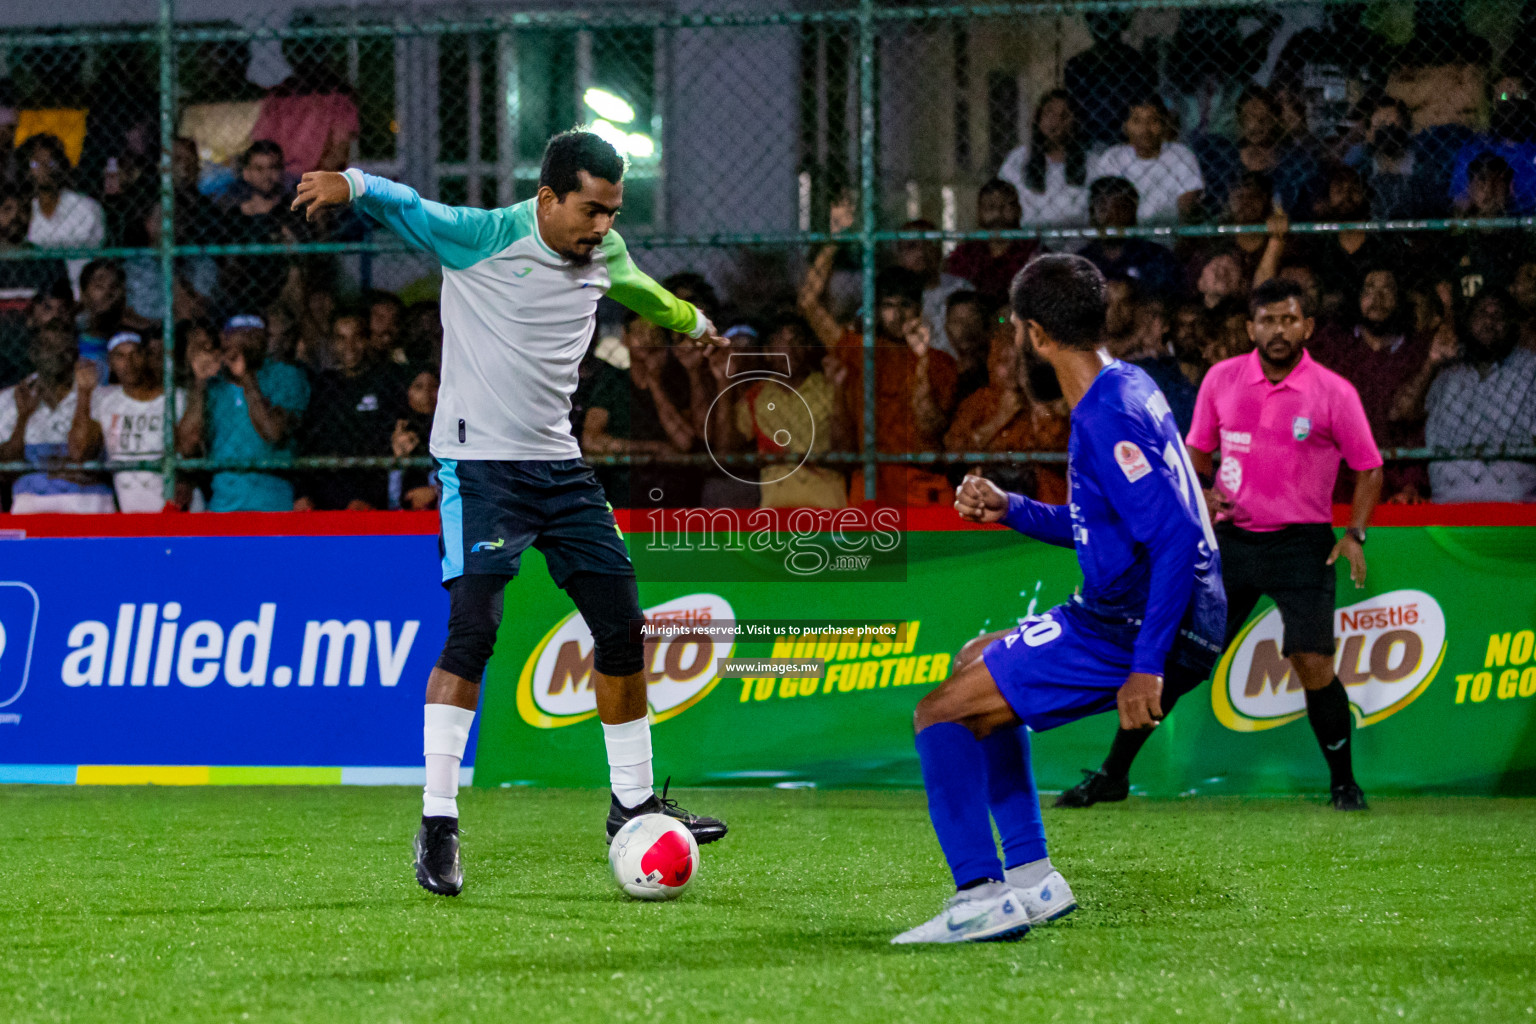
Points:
(654, 857)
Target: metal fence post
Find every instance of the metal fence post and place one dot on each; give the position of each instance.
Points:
(168, 246)
(867, 225)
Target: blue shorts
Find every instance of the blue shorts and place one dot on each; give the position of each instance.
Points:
(491, 512)
(1057, 667)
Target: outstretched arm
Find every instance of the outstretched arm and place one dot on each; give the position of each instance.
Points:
(982, 501)
(459, 236)
(634, 289)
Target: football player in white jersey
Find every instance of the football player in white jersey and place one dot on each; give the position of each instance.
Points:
(520, 291)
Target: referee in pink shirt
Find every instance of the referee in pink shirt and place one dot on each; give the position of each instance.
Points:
(1282, 424)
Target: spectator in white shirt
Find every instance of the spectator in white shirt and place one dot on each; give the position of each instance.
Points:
(1050, 172)
(61, 218)
(1166, 174)
(126, 419)
(35, 419)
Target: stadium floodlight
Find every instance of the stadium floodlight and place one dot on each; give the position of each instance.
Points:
(608, 106)
(640, 145)
(635, 144)
(611, 134)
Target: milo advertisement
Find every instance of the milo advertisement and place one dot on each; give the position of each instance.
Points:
(1437, 654)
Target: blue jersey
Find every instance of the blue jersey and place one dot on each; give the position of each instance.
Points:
(1137, 518)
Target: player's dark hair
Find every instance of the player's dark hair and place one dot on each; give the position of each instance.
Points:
(1277, 289)
(570, 153)
(1064, 294)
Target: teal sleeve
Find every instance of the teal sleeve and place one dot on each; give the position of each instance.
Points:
(634, 289)
(287, 388)
(459, 236)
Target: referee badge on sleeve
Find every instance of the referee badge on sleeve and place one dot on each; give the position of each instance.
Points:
(1300, 428)
(1131, 461)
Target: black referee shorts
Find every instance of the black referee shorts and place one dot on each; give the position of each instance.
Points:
(1290, 566)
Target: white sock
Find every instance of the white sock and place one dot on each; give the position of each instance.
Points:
(444, 735)
(1027, 876)
(629, 761)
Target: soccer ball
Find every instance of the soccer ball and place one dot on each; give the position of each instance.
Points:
(654, 857)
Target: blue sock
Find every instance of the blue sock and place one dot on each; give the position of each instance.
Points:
(1011, 796)
(954, 772)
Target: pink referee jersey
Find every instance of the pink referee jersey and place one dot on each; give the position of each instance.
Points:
(1280, 443)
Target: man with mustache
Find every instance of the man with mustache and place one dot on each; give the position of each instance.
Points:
(1282, 423)
(520, 291)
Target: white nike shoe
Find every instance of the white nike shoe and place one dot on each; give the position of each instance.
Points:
(1046, 900)
(986, 913)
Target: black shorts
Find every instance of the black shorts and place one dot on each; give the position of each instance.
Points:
(1289, 565)
(491, 512)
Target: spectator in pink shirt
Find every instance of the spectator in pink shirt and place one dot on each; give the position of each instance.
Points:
(1282, 424)
(312, 114)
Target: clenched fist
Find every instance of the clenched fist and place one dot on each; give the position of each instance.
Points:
(980, 500)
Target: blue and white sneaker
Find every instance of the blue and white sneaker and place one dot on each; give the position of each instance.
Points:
(1046, 900)
(987, 913)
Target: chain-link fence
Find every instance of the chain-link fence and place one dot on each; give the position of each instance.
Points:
(850, 186)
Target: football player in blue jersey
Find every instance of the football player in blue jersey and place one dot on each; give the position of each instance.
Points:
(1145, 627)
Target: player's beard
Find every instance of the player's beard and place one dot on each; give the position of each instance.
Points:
(1040, 377)
(582, 259)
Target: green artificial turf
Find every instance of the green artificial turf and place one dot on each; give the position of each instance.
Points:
(273, 904)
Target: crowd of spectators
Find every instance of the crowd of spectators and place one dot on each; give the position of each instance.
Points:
(274, 356)
(1437, 330)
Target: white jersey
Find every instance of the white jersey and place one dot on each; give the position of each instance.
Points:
(517, 319)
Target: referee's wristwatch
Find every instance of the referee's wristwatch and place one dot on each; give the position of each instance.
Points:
(1357, 533)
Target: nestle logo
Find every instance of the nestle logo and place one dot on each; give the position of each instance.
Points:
(1389, 648)
(1380, 618)
(690, 616)
(557, 687)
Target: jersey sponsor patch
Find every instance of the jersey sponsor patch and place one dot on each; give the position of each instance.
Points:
(1131, 460)
(1230, 475)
